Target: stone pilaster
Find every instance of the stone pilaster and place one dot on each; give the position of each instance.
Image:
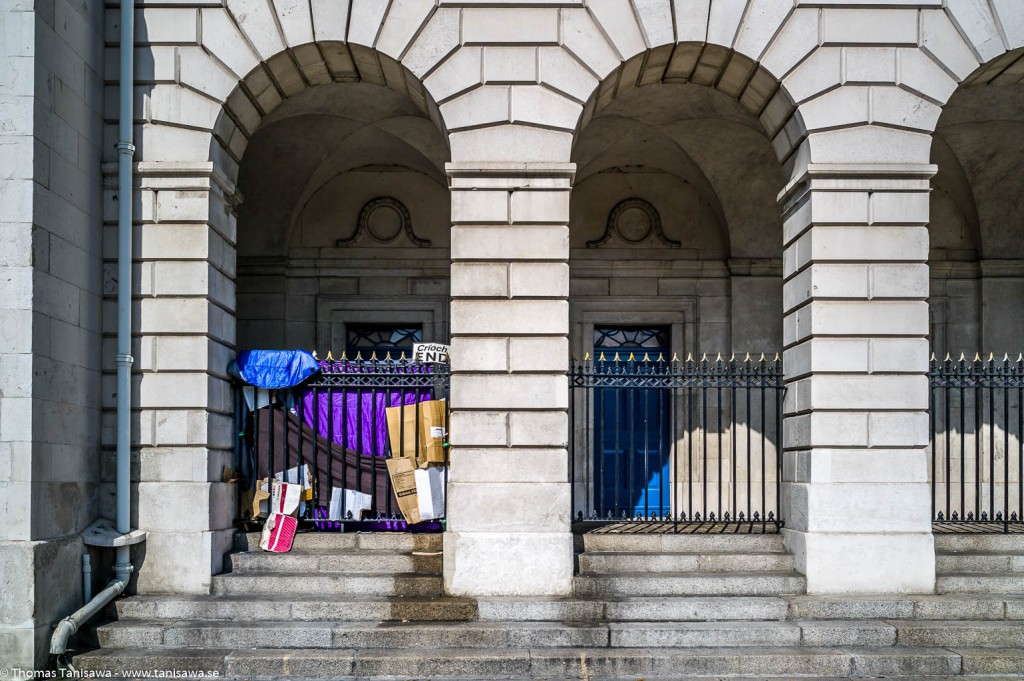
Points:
(856, 495)
(184, 328)
(508, 514)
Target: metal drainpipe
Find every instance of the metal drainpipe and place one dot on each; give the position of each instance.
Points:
(125, 150)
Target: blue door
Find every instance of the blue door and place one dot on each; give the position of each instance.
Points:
(631, 423)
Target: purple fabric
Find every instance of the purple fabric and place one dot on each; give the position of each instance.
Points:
(357, 415)
(374, 525)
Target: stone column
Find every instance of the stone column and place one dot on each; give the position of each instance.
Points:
(184, 330)
(508, 515)
(856, 495)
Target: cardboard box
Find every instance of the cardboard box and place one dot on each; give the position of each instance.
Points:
(418, 432)
(403, 480)
(420, 492)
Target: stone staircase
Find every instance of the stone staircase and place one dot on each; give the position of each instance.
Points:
(979, 563)
(644, 606)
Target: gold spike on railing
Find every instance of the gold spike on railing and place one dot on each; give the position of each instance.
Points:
(402, 358)
(330, 357)
(933, 357)
(962, 357)
(777, 357)
(661, 357)
(704, 357)
(675, 357)
(689, 357)
(977, 357)
(631, 358)
(719, 358)
(387, 357)
(762, 357)
(602, 358)
(359, 355)
(586, 356)
(991, 356)
(747, 358)
(647, 357)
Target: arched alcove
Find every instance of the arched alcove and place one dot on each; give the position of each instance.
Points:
(343, 221)
(977, 214)
(676, 244)
(707, 167)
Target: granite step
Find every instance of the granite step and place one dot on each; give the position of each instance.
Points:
(349, 541)
(639, 634)
(612, 562)
(682, 543)
(953, 633)
(354, 584)
(355, 635)
(332, 560)
(922, 607)
(689, 584)
(676, 609)
(564, 663)
(301, 608)
(980, 582)
(974, 543)
(306, 607)
(978, 561)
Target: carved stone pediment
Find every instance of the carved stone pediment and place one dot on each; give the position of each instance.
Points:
(384, 220)
(634, 222)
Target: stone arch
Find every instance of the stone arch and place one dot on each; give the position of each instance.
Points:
(976, 145)
(259, 94)
(727, 71)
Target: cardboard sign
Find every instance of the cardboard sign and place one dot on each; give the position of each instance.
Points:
(431, 353)
(403, 480)
(418, 432)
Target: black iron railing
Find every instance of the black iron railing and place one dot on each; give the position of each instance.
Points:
(335, 424)
(680, 442)
(977, 444)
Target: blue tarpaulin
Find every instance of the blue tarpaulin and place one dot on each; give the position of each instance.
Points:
(276, 368)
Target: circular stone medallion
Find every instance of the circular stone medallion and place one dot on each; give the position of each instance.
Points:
(633, 224)
(384, 222)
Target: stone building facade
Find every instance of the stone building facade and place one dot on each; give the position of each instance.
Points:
(835, 180)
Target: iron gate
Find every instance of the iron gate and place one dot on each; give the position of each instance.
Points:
(977, 444)
(692, 442)
(335, 424)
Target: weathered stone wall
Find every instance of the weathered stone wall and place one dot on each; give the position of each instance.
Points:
(50, 137)
(844, 97)
(513, 87)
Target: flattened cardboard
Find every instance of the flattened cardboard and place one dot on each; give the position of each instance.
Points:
(418, 432)
(403, 480)
(433, 434)
(346, 501)
(261, 499)
(430, 492)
